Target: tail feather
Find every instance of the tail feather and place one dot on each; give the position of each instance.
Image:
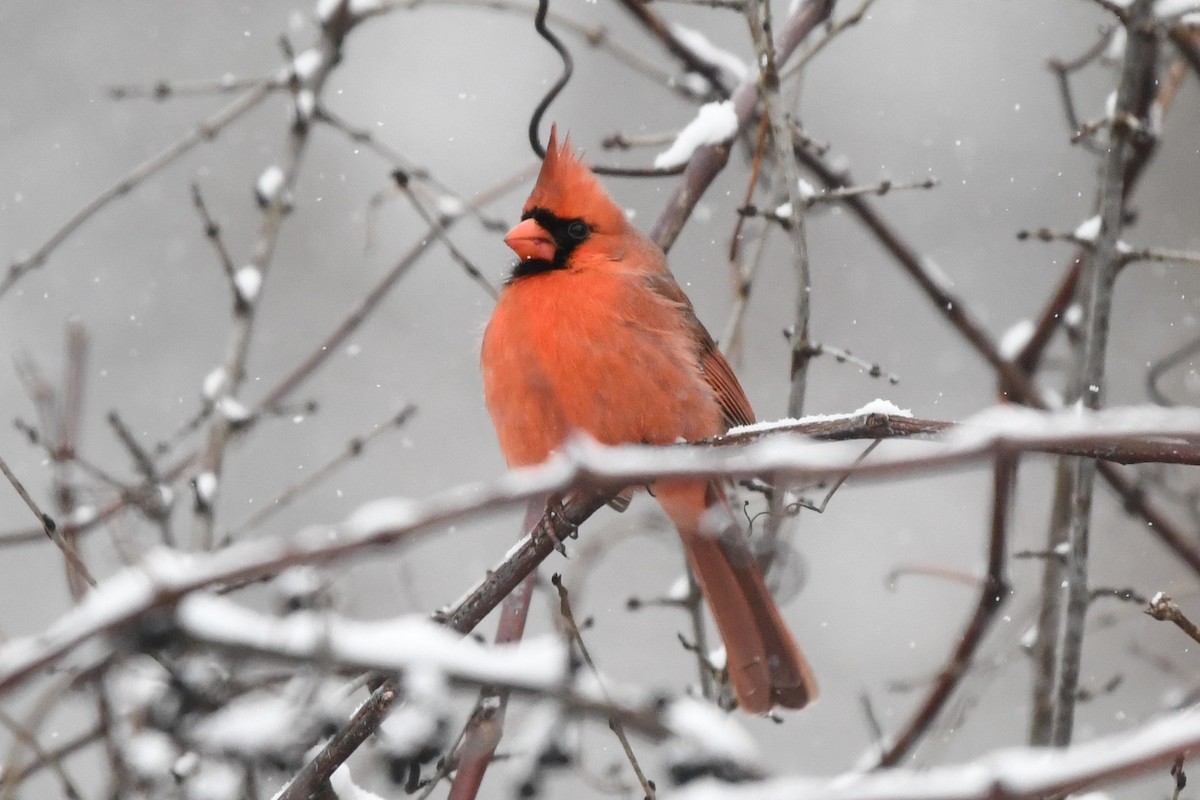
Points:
(764, 663)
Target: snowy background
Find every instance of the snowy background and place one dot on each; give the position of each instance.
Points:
(950, 89)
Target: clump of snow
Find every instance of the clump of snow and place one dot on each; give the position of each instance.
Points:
(306, 104)
(248, 280)
(137, 683)
(84, 515)
(1073, 316)
(356, 8)
(151, 755)
(678, 590)
(215, 780)
(346, 789)
(1173, 8)
(881, 406)
(714, 123)
(214, 383)
(304, 66)
(268, 185)
(718, 657)
(1015, 338)
(257, 724)
(1088, 230)
(703, 735)
(233, 410)
(450, 206)
(1110, 105)
(384, 514)
(185, 765)
(807, 190)
(695, 83)
(206, 487)
(1115, 51)
(876, 406)
(699, 44)
(300, 587)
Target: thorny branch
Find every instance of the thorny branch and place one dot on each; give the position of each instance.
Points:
(1073, 501)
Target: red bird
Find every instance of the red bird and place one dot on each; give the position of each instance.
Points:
(592, 333)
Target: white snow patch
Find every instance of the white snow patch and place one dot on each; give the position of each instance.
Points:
(1015, 338)
(714, 123)
(306, 104)
(1174, 8)
(136, 683)
(1088, 230)
(206, 486)
(718, 657)
(233, 410)
(678, 590)
(1116, 45)
(1073, 316)
(450, 206)
(699, 44)
(269, 184)
(388, 513)
(151, 755)
(84, 515)
(214, 383)
(346, 789)
(405, 644)
(876, 406)
(695, 83)
(807, 190)
(305, 65)
(215, 780)
(357, 8)
(703, 733)
(248, 280)
(256, 724)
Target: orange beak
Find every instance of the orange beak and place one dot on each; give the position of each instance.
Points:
(530, 241)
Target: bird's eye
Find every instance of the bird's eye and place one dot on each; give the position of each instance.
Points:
(577, 230)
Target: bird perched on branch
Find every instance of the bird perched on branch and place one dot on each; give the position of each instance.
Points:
(592, 333)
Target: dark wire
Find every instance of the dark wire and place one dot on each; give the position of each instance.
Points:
(539, 24)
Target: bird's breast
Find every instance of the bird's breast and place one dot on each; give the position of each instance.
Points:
(600, 353)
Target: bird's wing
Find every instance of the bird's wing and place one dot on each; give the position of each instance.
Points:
(735, 407)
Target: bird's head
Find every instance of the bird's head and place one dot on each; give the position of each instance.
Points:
(568, 211)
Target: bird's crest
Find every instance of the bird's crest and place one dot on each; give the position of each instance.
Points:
(566, 187)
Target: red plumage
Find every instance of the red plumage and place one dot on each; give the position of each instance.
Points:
(592, 333)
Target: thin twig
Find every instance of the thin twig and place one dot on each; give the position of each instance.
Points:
(276, 202)
(1073, 506)
(483, 733)
(1164, 609)
(205, 131)
(576, 636)
(49, 527)
(835, 30)
(992, 594)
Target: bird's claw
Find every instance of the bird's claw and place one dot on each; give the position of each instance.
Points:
(557, 527)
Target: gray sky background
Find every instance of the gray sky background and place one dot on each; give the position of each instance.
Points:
(955, 89)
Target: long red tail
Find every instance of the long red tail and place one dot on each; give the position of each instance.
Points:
(765, 664)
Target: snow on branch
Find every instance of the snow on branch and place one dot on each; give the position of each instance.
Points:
(164, 577)
(1011, 774)
(396, 645)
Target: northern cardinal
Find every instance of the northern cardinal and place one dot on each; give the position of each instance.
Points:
(592, 333)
